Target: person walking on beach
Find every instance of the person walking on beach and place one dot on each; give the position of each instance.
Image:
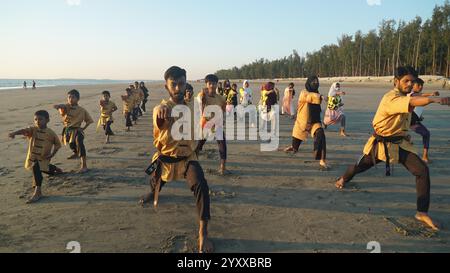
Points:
(309, 122)
(177, 159)
(24, 85)
(288, 101)
(391, 143)
(335, 108)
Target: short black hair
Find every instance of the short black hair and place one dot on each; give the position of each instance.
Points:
(211, 78)
(419, 82)
(403, 71)
(234, 85)
(189, 87)
(128, 89)
(106, 93)
(42, 113)
(174, 73)
(291, 84)
(74, 93)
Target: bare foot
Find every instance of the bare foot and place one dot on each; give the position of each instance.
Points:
(145, 200)
(426, 219)
(426, 160)
(343, 134)
(324, 165)
(340, 184)
(35, 198)
(289, 149)
(205, 245)
(72, 157)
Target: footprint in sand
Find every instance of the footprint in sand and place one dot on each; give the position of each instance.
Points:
(105, 150)
(177, 244)
(5, 171)
(222, 194)
(410, 228)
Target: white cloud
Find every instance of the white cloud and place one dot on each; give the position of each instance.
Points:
(73, 2)
(374, 2)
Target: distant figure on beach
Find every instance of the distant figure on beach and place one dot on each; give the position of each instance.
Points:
(73, 134)
(232, 100)
(24, 85)
(107, 108)
(140, 95)
(288, 101)
(219, 89)
(268, 113)
(43, 146)
(189, 93)
(34, 85)
(128, 108)
(146, 95)
(335, 108)
(417, 117)
(136, 103)
(391, 143)
(226, 88)
(309, 122)
(246, 99)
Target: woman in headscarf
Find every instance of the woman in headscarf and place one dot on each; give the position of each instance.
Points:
(288, 101)
(246, 94)
(335, 110)
(309, 122)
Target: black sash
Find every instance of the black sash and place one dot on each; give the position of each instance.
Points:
(385, 141)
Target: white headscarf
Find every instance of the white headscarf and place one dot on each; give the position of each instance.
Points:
(334, 89)
(248, 94)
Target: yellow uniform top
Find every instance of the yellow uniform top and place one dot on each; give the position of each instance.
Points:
(41, 142)
(128, 104)
(107, 111)
(302, 128)
(166, 145)
(138, 96)
(216, 100)
(74, 116)
(392, 119)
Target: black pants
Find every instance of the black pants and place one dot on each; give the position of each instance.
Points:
(128, 122)
(222, 147)
(196, 181)
(37, 174)
(77, 146)
(134, 114)
(107, 128)
(139, 111)
(144, 102)
(412, 163)
(320, 144)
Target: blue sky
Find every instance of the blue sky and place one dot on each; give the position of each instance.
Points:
(139, 39)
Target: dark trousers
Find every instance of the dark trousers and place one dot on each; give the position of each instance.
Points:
(222, 147)
(107, 128)
(196, 181)
(412, 163)
(77, 146)
(423, 131)
(128, 122)
(37, 174)
(320, 144)
(144, 102)
(135, 114)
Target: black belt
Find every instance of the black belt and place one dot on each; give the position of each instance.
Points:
(385, 141)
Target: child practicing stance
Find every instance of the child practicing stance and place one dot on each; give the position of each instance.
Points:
(107, 108)
(128, 107)
(73, 134)
(43, 146)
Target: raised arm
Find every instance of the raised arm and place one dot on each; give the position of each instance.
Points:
(424, 101)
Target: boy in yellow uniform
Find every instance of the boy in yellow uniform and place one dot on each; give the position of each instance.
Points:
(107, 108)
(43, 146)
(309, 122)
(177, 159)
(207, 98)
(128, 106)
(73, 134)
(139, 98)
(391, 143)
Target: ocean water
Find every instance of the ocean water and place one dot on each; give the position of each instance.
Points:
(18, 83)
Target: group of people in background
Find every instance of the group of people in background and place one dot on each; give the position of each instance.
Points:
(25, 86)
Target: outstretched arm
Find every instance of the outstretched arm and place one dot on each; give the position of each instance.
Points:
(424, 101)
(22, 132)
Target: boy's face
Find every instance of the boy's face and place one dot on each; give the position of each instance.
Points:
(417, 88)
(40, 122)
(234, 87)
(177, 89)
(106, 97)
(211, 87)
(405, 84)
(72, 100)
(247, 85)
(189, 94)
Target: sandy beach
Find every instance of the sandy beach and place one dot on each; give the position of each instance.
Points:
(272, 202)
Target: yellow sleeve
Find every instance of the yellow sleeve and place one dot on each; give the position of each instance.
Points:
(397, 105)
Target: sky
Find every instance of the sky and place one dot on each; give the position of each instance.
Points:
(140, 39)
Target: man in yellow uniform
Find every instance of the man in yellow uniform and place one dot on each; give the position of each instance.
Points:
(391, 143)
(177, 159)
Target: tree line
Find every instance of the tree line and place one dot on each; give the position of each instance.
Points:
(424, 45)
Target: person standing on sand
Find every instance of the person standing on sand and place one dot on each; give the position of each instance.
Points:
(391, 143)
(417, 118)
(288, 101)
(177, 159)
(24, 85)
(73, 134)
(309, 122)
(335, 108)
(219, 90)
(107, 108)
(128, 108)
(246, 99)
(140, 95)
(34, 85)
(146, 95)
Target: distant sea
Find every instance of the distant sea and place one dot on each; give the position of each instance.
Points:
(18, 83)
